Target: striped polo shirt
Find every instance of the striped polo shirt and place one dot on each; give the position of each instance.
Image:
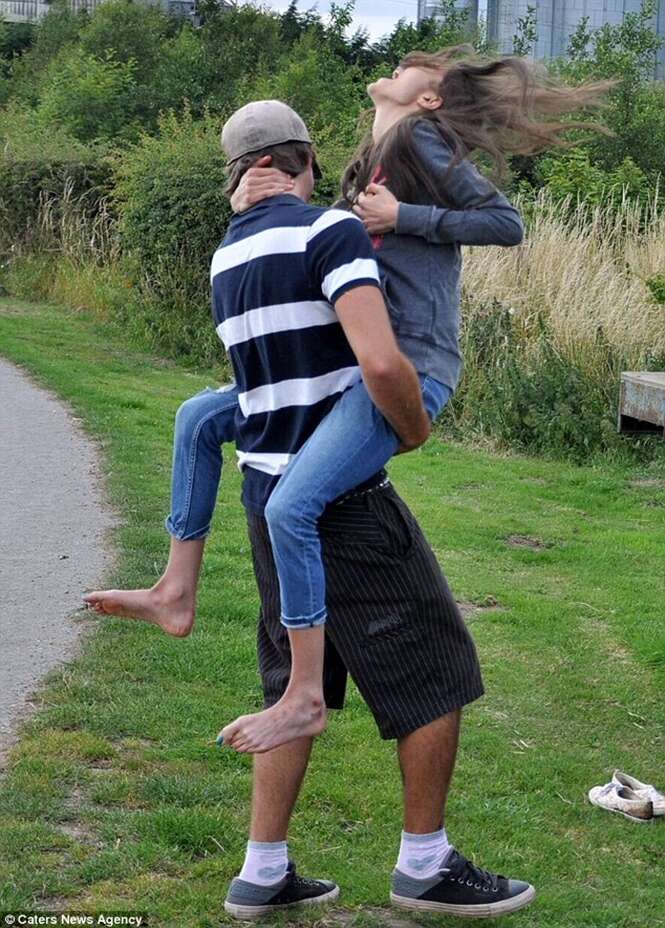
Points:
(275, 280)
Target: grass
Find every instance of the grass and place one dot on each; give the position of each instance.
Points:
(590, 274)
(116, 797)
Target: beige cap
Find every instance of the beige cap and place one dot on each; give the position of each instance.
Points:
(262, 124)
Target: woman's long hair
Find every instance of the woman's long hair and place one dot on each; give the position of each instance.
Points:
(499, 107)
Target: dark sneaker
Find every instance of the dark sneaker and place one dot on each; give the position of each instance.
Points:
(461, 889)
(247, 900)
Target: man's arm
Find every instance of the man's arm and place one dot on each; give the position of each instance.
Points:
(390, 378)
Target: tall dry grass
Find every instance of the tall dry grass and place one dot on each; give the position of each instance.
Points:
(583, 273)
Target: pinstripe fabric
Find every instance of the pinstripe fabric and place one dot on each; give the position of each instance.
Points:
(393, 623)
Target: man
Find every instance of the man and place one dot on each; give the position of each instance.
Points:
(392, 621)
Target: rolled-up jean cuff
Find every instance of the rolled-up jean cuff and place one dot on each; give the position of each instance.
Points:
(180, 536)
(313, 621)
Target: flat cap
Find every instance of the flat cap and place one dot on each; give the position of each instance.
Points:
(259, 125)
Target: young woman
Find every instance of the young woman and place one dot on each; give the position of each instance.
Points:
(421, 199)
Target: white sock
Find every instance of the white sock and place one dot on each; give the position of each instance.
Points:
(265, 862)
(421, 856)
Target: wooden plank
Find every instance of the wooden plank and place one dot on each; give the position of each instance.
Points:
(654, 378)
(642, 402)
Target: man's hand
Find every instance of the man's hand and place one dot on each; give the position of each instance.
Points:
(259, 183)
(378, 209)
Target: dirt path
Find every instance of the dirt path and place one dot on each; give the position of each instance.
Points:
(52, 523)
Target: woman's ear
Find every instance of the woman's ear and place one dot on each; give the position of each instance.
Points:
(430, 100)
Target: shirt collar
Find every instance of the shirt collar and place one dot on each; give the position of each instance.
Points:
(282, 199)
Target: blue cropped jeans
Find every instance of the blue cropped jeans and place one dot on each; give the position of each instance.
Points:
(351, 444)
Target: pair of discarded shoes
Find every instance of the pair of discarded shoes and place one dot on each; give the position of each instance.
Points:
(640, 802)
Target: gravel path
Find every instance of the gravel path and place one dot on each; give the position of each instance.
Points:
(52, 525)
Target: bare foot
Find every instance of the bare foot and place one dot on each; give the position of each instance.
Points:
(294, 716)
(171, 609)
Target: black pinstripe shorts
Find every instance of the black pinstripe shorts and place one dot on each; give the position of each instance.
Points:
(393, 624)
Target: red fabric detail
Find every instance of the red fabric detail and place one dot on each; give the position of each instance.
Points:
(378, 177)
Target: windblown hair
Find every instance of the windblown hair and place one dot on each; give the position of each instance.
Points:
(499, 107)
(290, 157)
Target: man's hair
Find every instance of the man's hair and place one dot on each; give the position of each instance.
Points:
(290, 157)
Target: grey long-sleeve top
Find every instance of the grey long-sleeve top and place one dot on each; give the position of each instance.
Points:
(421, 262)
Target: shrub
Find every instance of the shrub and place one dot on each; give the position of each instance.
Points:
(534, 398)
(656, 285)
(172, 215)
(39, 164)
(91, 98)
(571, 175)
(170, 195)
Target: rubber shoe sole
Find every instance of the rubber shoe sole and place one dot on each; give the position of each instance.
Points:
(250, 912)
(486, 910)
(633, 818)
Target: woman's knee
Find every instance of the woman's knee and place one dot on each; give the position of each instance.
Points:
(205, 416)
(283, 511)
(189, 417)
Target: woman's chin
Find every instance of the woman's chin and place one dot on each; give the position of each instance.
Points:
(374, 89)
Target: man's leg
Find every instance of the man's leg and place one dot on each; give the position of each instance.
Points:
(431, 876)
(266, 882)
(427, 760)
(278, 776)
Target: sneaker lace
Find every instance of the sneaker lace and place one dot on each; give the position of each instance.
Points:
(465, 871)
(302, 882)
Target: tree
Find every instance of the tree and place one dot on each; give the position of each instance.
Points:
(450, 26)
(130, 32)
(626, 53)
(525, 38)
(238, 45)
(92, 98)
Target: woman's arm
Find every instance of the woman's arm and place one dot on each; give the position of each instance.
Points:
(479, 214)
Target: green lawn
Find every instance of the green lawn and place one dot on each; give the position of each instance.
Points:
(117, 798)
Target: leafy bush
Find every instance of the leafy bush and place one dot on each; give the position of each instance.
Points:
(170, 195)
(172, 215)
(91, 98)
(531, 396)
(571, 175)
(656, 285)
(38, 164)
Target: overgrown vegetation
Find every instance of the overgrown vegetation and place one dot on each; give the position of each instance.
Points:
(116, 798)
(111, 194)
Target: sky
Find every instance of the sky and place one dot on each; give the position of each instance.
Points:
(377, 16)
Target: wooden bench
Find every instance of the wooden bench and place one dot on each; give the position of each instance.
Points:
(642, 402)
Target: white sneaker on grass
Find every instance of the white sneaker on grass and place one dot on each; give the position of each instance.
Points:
(644, 790)
(616, 798)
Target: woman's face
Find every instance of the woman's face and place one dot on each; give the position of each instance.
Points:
(406, 86)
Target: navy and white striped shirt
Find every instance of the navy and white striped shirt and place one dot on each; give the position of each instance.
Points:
(275, 280)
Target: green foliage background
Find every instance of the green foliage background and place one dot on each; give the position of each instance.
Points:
(118, 115)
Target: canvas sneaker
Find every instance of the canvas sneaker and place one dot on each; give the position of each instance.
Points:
(463, 889)
(622, 799)
(644, 790)
(248, 901)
